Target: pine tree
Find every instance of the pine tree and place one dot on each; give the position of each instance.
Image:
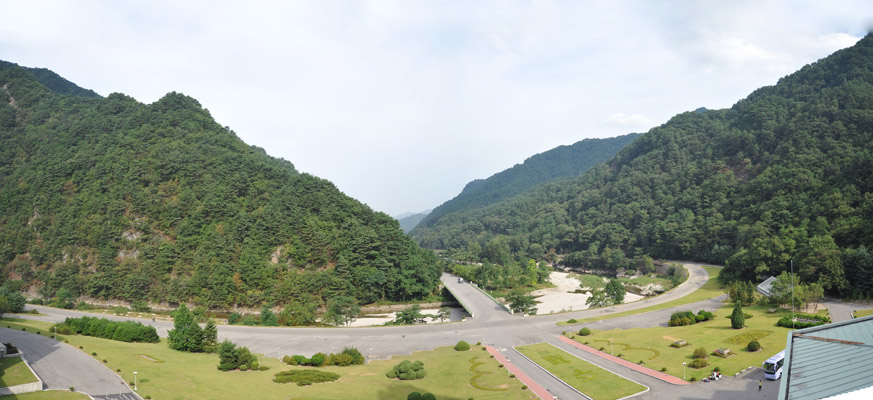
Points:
(186, 335)
(210, 336)
(738, 321)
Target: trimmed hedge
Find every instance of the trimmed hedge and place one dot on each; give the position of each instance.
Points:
(584, 331)
(305, 377)
(682, 318)
(123, 331)
(462, 346)
(785, 321)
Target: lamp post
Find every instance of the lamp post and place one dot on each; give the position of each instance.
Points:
(611, 347)
(683, 369)
(134, 381)
(507, 367)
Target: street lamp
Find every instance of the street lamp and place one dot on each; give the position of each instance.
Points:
(134, 380)
(683, 369)
(611, 347)
(507, 367)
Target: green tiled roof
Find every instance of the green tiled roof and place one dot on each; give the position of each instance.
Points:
(827, 360)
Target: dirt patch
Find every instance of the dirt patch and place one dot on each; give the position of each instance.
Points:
(672, 339)
(503, 386)
(369, 374)
(150, 359)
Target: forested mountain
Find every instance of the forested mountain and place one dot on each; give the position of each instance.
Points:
(411, 220)
(785, 174)
(111, 198)
(562, 161)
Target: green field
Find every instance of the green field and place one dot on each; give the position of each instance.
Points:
(863, 313)
(587, 378)
(712, 288)
(652, 345)
(168, 374)
(13, 371)
(47, 395)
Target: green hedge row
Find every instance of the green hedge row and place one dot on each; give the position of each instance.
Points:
(124, 331)
(305, 377)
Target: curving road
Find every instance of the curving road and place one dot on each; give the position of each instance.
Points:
(61, 366)
(492, 325)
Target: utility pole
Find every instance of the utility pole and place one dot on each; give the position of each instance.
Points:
(792, 294)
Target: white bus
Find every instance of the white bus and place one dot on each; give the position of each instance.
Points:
(773, 366)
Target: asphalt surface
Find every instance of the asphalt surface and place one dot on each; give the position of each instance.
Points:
(491, 325)
(61, 366)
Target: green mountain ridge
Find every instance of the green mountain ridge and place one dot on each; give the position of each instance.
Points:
(560, 162)
(785, 174)
(110, 198)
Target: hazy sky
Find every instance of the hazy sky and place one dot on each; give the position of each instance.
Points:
(401, 103)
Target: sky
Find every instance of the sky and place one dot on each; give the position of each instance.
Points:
(401, 103)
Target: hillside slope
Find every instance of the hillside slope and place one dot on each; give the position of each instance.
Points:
(786, 173)
(560, 162)
(114, 199)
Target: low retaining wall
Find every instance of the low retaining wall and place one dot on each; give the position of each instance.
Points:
(24, 387)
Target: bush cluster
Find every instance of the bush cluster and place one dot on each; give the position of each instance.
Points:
(407, 370)
(305, 377)
(699, 353)
(682, 318)
(699, 363)
(462, 346)
(584, 332)
(126, 331)
(231, 357)
(420, 396)
(349, 356)
(816, 320)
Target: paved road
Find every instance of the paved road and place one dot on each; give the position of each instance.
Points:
(60, 366)
(492, 325)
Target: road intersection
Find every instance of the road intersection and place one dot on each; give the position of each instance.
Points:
(491, 325)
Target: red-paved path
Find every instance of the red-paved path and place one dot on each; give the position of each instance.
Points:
(636, 367)
(534, 387)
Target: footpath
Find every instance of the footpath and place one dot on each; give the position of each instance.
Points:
(620, 361)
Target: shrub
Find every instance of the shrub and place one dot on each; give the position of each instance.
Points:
(663, 369)
(523, 387)
(317, 360)
(462, 346)
(255, 365)
(428, 396)
(699, 353)
(304, 377)
(288, 360)
(753, 346)
(72, 389)
(717, 369)
(357, 357)
(414, 396)
(693, 379)
(234, 318)
(299, 360)
(571, 321)
(584, 331)
(407, 370)
(699, 363)
(243, 367)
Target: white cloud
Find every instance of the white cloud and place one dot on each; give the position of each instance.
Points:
(402, 103)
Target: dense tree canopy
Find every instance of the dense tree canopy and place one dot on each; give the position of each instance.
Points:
(785, 174)
(111, 198)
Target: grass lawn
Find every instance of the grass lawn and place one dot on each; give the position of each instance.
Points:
(13, 371)
(587, 378)
(863, 313)
(652, 345)
(712, 288)
(168, 374)
(47, 395)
